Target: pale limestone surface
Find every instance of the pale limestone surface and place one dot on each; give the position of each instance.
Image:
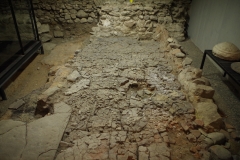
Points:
(35, 140)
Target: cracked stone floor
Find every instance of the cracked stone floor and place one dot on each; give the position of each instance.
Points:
(122, 101)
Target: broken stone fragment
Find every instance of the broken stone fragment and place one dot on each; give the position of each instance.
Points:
(159, 151)
(82, 14)
(219, 152)
(189, 74)
(129, 23)
(196, 133)
(174, 45)
(207, 112)
(180, 55)
(82, 84)
(170, 40)
(16, 104)
(73, 76)
(176, 51)
(44, 28)
(58, 34)
(217, 137)
(46, 37)
(49, 92)
(48, 46)
(187, 61)
(191, 137)
(202, 81)
(201, 90)
(136, 103)
(159, 99)
(184, 125)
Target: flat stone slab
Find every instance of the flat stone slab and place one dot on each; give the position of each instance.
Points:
(49, 46)
(61, 53)
(16, 104)
(36, 140)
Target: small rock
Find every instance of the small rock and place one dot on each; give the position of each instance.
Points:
(227, 135)
(83, 20)
(16, 104)
(229, 126)
(170, 40)
(176, 51)
(44, 28)
(73, 76)
(180, 55)
(77, 51)
(208, 142)
(65, 144)
(187, 61)
(49, 46)
(130, 23)
(46, 37)
(195, 149)
(196, 133)
(82, 84)
(184, 125)
(174, 45)
(82, 14)
(191, 137)
(220, 153)
(142, 149)
(217, 137)
(227, 145)
(207, 112)
(58, 34)
(166, 139)
(140, 93)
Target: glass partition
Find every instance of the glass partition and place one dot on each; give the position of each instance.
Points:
(9, 43)
(19, 40)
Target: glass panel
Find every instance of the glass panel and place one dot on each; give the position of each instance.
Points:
(9, 43)
(24, 20)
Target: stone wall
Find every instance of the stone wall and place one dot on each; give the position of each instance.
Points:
(8, 31)
(65, 11)
(142, 17)
(114, 17)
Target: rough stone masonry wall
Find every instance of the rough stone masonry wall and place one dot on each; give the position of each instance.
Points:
(8, 31)
(114, 17)
(65, 11)
(117, 17)
(142, 17)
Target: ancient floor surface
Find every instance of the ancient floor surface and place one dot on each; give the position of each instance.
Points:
(117, 99)
(122, 103)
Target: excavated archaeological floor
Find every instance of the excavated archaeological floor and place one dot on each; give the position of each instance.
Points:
(126, 104)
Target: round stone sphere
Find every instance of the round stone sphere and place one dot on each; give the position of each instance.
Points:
(226, 51)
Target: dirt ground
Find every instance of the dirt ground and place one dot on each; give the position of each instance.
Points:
(32, 77)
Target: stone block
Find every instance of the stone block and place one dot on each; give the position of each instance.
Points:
(58, 34)
(82, 14)
(207, 112)
(220, 153)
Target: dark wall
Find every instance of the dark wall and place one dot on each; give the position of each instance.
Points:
(214, 21)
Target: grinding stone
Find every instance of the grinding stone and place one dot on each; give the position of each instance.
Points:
(227, 51)
(236, 67)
